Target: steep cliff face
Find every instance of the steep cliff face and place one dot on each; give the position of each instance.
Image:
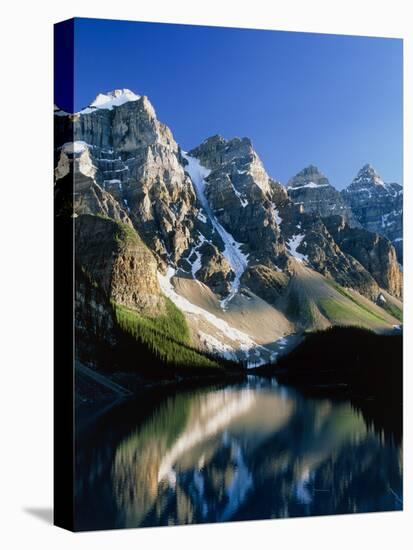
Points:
(374, 252)
(95, 324)
(242, 196)
(113, 255)
(136, 159)
(311, 243)
(377, 205)
(312, 189)
(76, 183)
(215, 271)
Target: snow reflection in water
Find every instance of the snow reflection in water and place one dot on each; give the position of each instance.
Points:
(243, 452)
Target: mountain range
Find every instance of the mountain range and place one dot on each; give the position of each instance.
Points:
(206, 240)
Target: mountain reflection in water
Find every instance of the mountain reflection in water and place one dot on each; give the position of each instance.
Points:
(248, 451)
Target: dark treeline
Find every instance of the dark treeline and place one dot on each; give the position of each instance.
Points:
(351, 363)
(368, 363)
(160, 346)
(114, 338)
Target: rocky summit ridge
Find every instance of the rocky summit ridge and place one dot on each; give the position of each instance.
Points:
(377, 205)
(312, 189)
(248, 262)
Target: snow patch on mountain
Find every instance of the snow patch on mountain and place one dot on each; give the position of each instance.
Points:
(309, 185)
(241, 340)
(293, 243)
(201, 217)
(233, 250)
(115, 98)
(214, 345)
(197, 263)
(244, 202)
(75, 147)
(276, 215)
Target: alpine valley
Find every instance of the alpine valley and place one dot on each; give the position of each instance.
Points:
(199, 261)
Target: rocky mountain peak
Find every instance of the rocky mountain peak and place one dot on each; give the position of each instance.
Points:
(310, 177)
(312, 191)
(367, 175)
(241, 195)
(377, 205)
(111, 99)
(125, 151)
(216, 151)
(215, 140)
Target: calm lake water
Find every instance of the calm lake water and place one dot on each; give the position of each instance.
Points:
(254, 450)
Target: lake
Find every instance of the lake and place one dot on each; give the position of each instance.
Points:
(242, 451)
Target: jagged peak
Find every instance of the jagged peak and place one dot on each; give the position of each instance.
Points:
(111, 99)
(369, 174)
(310, 176)
(215, 137)
(213, 140)
(244, 140)
(369, 181)
(114, 98)
(228, 149)
(311, 169)
(219, 140)
(367, 178)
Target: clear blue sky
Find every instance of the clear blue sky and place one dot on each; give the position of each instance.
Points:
(333, 101)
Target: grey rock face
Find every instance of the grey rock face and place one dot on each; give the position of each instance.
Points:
(113, 255)
(377, 205)
(311, 189)
(76, 171)
(266, 282)
(136, 159)
(242, 195)
(259, 212)
(308, 239)
(373, 251)
(215, 270)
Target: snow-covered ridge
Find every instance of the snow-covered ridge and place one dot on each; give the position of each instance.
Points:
(111, 99)
(368, 180)
(107, 101)
(232, 252)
